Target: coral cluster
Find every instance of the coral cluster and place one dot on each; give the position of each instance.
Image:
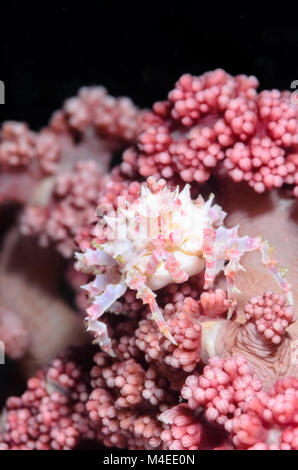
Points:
(132, 400)
(51, 413)
(116, 118)
(71, 207)
(218, 118)
(180, 361)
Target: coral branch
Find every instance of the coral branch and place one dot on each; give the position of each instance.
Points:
(271, 315)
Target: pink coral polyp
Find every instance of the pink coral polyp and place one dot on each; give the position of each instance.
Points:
(180, 365)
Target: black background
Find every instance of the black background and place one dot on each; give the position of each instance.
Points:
(138, 49)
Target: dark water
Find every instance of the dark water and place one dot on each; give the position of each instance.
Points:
(138, 49)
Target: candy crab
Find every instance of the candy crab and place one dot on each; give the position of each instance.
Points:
(164, 237)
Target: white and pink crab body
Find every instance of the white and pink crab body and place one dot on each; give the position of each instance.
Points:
(164, 237)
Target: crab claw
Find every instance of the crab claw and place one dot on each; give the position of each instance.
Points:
(157, 316)
(101, 336)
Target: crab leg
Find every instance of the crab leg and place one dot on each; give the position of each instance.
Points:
(230, 272)
(268, 260)
(278, 273)
(137, 282)
(161, 255)
(99, 284)
(100, 330)
(209, 254)
(225, 245)
(103, 301)
(174, 269)
(94, 257)
(171, 264)
(153, 263)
